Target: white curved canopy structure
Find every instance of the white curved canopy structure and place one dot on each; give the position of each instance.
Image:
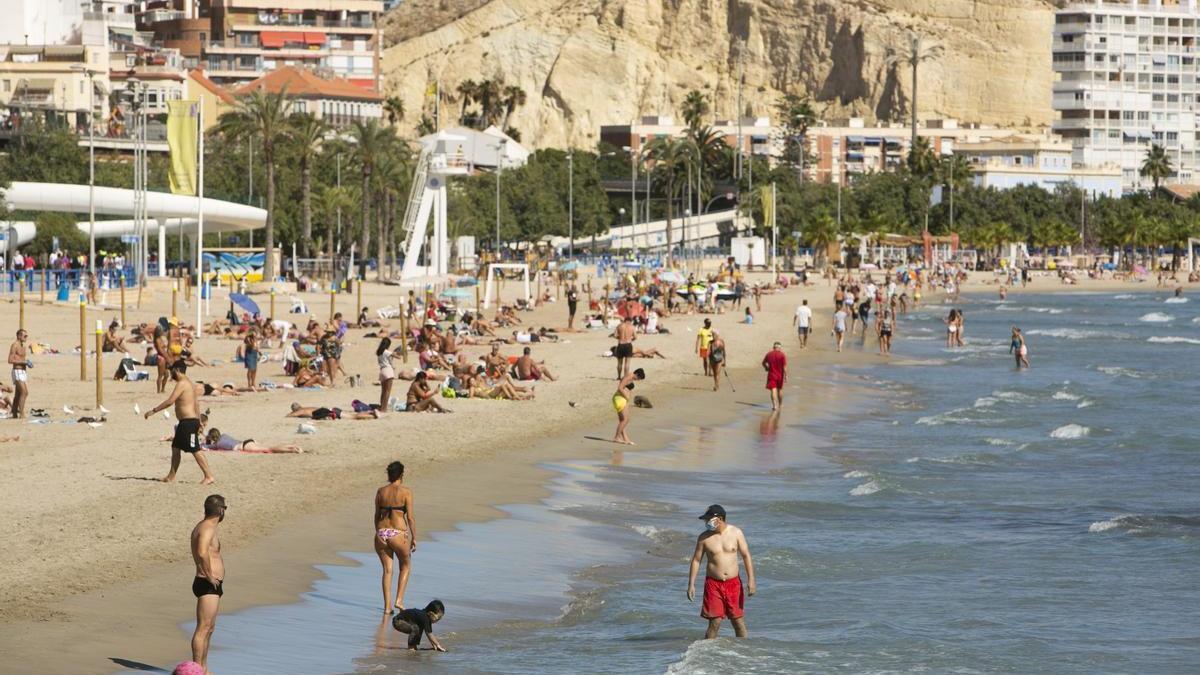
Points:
(172, 213)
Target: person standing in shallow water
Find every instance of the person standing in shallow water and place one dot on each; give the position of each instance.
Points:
(395, 534)
(721, 544)
(209, 584)
(1018, 348)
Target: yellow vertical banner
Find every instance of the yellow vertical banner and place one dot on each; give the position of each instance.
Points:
(768, 206)
(182, 123)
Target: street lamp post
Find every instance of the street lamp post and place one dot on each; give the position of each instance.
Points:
(499, 167)
(91, 165)
(621, 211)
(571, 204)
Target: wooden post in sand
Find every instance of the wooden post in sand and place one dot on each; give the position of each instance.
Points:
(139, 300)
(477, 305)
(82, 340)
(42, 289)
(589, 291)
(404, 336)
(272, 303)
(123, 324)
(332, 302)
(99, 366)
(174, 296)
(21, 300)
(358, 292)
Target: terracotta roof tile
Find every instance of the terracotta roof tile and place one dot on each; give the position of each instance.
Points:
(217, 90)
(303, 83)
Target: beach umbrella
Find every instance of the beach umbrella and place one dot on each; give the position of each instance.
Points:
(467, 282)
(570, 266)
(459, 293)
(245, 303)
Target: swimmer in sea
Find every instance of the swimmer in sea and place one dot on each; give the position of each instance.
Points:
(620, 402)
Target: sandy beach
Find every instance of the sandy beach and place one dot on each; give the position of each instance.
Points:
(95, 572)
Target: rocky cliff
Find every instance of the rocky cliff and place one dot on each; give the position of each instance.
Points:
(584, 63)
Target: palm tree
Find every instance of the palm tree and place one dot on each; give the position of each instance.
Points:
(390, 182)
(394, 108)
(512, 97)
(912, 52)
(668, 155)
(921, 160)
(820, 233)
(695, 107)
(1157, 165)
(308, 133)
(263, 117)
(369, 140)
(332, 200)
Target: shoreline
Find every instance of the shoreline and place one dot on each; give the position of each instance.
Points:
(135, 614)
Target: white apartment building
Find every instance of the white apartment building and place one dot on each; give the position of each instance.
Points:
(1042, 161)
(1127, 79)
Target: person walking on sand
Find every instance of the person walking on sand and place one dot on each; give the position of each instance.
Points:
(721, 544)
(209, 584)
(704, 337)
(251, 356)
(187, 431)
(839, 327)
(1018, 348)
(803, 322)
(395, 534)
(775, 363)
(620, 403)
(625, 335)
(716, 358)
(18, 358)
(572, 305)
(387, 374)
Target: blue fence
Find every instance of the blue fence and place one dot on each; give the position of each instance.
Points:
(52, 280)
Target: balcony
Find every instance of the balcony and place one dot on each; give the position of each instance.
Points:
(256, 22)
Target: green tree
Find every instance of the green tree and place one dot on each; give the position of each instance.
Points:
(393, 107)
(669, 155)
(695, 108)
(795, 117)
(370, 143)
(1157, 165)
(307, 133)
(262, 117)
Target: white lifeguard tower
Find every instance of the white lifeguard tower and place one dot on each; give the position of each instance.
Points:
(428, 197)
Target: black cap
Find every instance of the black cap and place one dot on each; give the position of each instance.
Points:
(716, 510)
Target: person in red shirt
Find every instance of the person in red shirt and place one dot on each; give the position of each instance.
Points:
(775, 363)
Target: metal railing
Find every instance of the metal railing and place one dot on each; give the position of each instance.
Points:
(57, 280)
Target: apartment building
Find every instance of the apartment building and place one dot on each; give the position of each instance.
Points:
(842, 149)
(54, 79)
(1127, 78)
(236, 41)
(1042, 161)
(335, 100)
(755, 133)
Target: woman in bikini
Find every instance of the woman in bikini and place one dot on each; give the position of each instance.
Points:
(620, 402)
(395, 533)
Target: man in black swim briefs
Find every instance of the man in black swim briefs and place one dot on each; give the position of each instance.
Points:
(187, 432)
(208, 585)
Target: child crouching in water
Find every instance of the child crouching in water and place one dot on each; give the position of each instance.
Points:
(418, 622)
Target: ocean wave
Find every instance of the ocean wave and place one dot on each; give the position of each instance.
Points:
(856, 474)
(1072, 333)
(1070, 431)
(1085, 403)
(1124, 296)
(1117, 371)
(1012, 396)
(968, 459)
(651, 532)
(985, 402)
(1136, 523)
(1171, 340)
(1156, 317)
(1175, 301)
(868, 488)
(1065, 396)
(1018, 308)
(999, 441)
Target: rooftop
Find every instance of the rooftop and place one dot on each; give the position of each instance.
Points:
(303, 83)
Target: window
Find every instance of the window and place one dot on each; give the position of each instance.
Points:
(1172, 137)
(8, 85)
(247, 39)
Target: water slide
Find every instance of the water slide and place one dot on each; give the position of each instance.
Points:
(169, 213)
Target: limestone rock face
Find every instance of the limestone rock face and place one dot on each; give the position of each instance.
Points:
(584, 63)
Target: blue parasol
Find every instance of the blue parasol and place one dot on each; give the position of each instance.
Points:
(569, 266)
(457, 293)
(245, 303)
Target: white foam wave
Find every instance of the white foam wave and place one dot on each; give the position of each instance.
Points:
(856, 474)
(1117, 371)
(1104, 525)
(1124, 296)
(998, 441)
(651, 532)
(1156, 317)
(986, 402)
(1065, 396)
(1171, 340)
(1176, 301)
(1018, 308)
(1070, 333)
(1070, 431)
(1085, 403)
(868, 488)
(1011, 396)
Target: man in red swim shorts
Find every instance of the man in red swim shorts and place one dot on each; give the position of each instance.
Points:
(721, 544)
(775, 363)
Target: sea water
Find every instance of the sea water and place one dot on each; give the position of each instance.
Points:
(960, 516)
